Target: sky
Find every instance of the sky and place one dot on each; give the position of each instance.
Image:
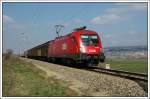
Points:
(26, 25)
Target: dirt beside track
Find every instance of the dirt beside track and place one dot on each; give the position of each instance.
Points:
(88, 83)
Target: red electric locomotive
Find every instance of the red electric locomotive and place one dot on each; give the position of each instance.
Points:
(80, 46)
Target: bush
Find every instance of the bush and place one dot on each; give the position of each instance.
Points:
(8, 53)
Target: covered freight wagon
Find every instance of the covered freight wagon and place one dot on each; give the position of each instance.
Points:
(40, 51)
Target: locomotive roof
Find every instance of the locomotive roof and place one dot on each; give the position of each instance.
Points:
(84, 31)
(77, 31)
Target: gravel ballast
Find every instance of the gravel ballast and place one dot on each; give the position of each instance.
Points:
(93, 84)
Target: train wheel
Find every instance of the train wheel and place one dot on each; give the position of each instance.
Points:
(92, 64)
(74, 63)
(70, 62)
(102, 57)
(52, 60)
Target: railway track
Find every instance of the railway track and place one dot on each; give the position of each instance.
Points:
(125, 74)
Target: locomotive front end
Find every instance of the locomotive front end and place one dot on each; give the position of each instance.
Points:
(91, 48)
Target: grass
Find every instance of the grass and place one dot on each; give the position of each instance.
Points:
(23, 79)
(132, 65)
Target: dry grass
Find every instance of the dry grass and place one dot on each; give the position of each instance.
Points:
(23, 79)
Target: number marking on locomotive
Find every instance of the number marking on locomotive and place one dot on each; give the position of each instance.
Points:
(64, 46)
(92, 50)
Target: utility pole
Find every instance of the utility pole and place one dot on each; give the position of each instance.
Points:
(20, 49)
(58, 29)
(23, 38)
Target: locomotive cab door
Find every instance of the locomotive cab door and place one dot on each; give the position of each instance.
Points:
(73, 45)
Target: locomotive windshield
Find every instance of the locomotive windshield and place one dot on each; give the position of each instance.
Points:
(89, 39)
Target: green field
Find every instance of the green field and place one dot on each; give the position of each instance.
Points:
(23, 79)
(132, 65)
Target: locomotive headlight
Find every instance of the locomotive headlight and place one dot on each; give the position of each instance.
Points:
(82, 50)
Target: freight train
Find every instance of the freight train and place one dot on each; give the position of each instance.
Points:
(80, 46)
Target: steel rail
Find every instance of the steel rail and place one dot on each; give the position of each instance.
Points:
(126, 74)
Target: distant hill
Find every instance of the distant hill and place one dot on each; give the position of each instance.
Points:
(136, 52)
(126, 48)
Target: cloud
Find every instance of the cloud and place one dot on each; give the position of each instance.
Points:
(8, 19)
(138, 6)
(106, 19)
(127, 7)
(117, 14)
(78, 20)
(66, 24)
(132, 32)
(11, 23)
(116, 10)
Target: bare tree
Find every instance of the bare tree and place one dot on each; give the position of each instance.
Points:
(9, 52)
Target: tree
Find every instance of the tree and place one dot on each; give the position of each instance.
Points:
(9, 52)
